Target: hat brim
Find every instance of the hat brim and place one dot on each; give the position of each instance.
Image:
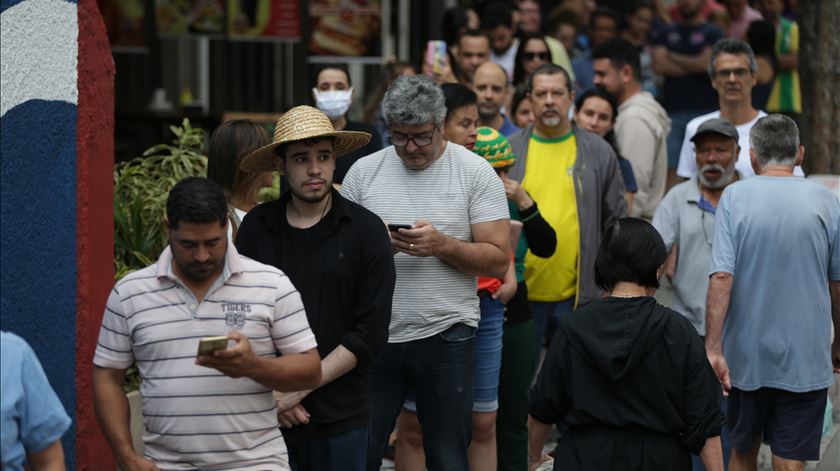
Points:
(264, 158)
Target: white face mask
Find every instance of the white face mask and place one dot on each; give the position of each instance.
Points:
(333, 103)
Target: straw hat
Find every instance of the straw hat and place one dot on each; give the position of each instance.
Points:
(297, 124)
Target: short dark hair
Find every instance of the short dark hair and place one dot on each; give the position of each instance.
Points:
(473, 33)
(456, 95)
(620, 52)
(605, 12)
(280, 151)
(496, 14)
(549, 69)
(196, 200)
(341, 67)
(631, 250)
(638, 5)
(735, 47)
(454, 20)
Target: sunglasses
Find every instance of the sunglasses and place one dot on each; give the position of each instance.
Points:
(530, 56)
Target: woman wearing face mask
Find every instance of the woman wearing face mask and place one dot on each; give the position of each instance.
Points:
(333, 95)
(595, 111)
(533, 52)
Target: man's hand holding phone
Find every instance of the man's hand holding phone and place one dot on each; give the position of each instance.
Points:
(422, 240)
(235, 361)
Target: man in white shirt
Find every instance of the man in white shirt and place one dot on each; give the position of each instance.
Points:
(732, 69)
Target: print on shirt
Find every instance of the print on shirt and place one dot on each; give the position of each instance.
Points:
(235, 314)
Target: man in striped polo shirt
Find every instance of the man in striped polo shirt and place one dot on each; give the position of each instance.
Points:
(212, 411)
(456, 210)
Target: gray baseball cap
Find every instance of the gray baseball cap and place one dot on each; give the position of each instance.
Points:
(718, 126)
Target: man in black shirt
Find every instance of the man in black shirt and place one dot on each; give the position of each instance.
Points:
(338, 256)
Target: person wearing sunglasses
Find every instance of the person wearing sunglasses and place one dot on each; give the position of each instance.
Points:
(458, 218)
(532, 53)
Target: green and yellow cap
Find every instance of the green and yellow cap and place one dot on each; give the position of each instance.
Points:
(494, 147)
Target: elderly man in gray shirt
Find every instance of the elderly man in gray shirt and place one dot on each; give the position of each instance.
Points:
(686, 217)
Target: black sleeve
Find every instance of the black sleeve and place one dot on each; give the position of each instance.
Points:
(548, 396)
(541, 237)
(703, 394)
(246, 241)
(375, 293)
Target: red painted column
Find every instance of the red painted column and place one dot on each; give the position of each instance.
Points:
(95, 223)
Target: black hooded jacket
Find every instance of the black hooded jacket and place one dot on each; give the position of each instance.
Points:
(631, 380)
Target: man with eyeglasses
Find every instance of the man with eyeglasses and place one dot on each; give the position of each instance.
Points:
(490, 84)
(732, 69)
(448, 219)
(574, 175)
(686, 221)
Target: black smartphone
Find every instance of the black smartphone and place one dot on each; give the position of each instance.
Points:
(397, 227)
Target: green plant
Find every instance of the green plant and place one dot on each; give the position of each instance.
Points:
(141, 186)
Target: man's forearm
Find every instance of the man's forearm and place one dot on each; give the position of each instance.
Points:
(335, 365)
(712, 454)
(537, 435)
(112, 411)
(717, 303)
(474, 258)
(692, 64)
(288, 372)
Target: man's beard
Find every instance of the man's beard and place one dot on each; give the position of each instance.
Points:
(487, 114)
(551, 121)
(727, 174)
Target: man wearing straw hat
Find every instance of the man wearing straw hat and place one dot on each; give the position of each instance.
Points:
(339, 256)
(455, 215)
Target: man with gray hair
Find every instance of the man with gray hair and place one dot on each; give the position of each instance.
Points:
(773, 293)
(732, 70)
(448, 219)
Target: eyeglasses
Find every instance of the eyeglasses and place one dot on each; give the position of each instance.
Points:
(401, 140)
(725, 73)
(530, 56)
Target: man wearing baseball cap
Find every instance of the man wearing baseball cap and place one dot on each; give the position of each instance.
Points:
(338, 254)
(686, 221)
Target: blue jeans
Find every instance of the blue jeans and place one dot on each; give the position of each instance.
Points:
(343, 451)
(440, 369)
(547, 319)
(488, 355)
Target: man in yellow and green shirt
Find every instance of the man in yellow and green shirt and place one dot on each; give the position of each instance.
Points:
(575, 176)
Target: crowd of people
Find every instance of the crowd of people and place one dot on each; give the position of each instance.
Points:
(516, 203)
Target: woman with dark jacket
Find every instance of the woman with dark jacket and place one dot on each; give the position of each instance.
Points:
(626, 379)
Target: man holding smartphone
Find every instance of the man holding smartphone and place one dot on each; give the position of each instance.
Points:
(212, 411)
(338, 255)
(459, 218)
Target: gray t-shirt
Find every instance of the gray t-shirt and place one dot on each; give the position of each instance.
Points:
(780, 239)
(458, 189)
(679, 220)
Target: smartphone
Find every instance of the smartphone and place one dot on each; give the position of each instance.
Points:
(208, 345)
(436, 55)
(397, 227)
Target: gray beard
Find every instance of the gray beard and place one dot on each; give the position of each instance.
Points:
(726, 177)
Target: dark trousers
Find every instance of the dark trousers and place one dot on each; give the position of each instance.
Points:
(440, 369)
(518, 361)
(341, 452)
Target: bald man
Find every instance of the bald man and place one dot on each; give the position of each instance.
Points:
(491, 85)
